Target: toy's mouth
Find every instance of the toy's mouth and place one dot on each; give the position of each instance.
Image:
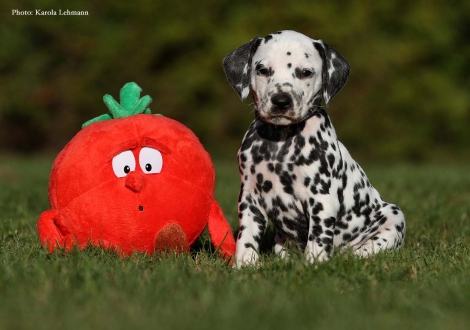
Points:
(141, 208)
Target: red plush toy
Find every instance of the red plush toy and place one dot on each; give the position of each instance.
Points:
(133, 181)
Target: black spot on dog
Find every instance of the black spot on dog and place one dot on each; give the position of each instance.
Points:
(331, 159)
(317, 230)
(252, 169)
(317, 208)
(267, 186)
(329, 222)
(383, 220)
(327, 240)
(278, 168)
(325, 187)
(299, 143)
(307, 181)
(286, 181)
(316, 179)
(240, 195)
(270, 167)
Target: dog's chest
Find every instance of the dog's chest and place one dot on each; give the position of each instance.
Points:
(285, 170)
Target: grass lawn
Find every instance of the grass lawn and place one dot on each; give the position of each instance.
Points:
(426, 285)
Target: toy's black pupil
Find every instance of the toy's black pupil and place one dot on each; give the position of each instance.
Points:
(127, 169)
(148, 167)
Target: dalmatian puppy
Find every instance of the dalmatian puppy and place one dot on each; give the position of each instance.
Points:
(294, 171)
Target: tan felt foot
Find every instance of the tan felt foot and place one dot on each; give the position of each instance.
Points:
(172, 238)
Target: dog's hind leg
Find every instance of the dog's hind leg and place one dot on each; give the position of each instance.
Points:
(388, 232)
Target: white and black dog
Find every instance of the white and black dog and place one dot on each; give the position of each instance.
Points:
(294, 171)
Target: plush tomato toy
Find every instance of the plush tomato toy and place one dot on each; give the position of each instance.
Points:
(133, 181)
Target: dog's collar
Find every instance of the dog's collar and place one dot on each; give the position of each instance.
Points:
(313, 111)
(278, 133)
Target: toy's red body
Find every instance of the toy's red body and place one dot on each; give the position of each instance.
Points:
(91, 204)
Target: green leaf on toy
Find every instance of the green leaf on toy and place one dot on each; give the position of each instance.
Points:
(131, 104)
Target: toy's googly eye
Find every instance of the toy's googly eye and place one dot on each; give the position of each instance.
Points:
(150, 160)
(124, 163)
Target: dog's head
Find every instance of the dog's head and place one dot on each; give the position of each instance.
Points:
(288, 74)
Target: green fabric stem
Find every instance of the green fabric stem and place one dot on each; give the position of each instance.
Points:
(130, 104)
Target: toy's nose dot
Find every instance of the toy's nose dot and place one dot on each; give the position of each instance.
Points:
(141, 208)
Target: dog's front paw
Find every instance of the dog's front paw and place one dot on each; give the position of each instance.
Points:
(312, 258)
(247, 257)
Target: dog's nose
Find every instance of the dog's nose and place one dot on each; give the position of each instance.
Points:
(282, 101)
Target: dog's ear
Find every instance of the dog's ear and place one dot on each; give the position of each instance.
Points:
(237, 67)
(335, 70)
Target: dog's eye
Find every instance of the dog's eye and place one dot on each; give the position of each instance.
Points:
(263, 71)
(306, 73)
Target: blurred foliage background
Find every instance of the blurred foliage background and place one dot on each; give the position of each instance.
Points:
(407, 98)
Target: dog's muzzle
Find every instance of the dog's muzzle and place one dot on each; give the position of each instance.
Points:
(281, 110)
